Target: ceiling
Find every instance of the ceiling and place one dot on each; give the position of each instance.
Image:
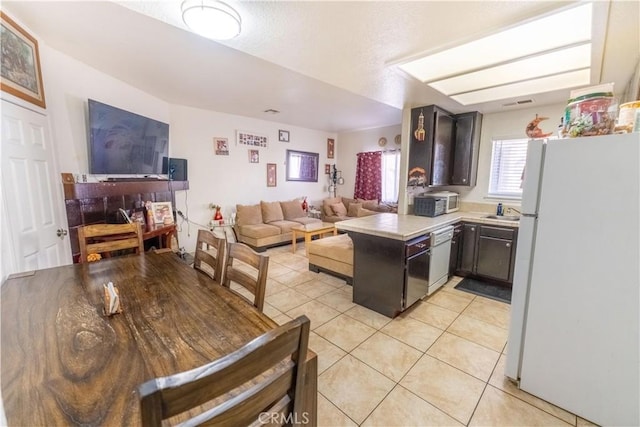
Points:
(324, 65)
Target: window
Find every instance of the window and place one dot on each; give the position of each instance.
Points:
(507, 167)
(390, 176)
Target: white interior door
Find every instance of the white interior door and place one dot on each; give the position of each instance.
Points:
(30, 192)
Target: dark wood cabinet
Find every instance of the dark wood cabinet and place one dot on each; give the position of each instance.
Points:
(444, 147)
(456, 246)
(487, 251)
(466, 148)
(468, 250)
(431, 149)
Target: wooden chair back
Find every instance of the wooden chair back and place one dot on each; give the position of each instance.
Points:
(254, 281)
(106, 238)
(270, 386)
(205, 261)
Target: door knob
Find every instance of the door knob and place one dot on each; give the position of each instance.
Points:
(60, 232)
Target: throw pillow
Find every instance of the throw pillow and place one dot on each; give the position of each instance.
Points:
(326, 205)
(292, 210)
(369, 204)
(353, 209)
(365, 212)
(248, 215)
(339, 209)
(271, 211)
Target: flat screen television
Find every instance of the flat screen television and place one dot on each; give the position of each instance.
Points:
(125, 143)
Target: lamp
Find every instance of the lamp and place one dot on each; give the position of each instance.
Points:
(212, 19)
(335, 178)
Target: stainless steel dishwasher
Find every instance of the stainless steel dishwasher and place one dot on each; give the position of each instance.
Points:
(440, 253)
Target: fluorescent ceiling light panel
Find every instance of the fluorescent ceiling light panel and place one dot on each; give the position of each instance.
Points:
(568, 27)
(557, 61)
(541, 85)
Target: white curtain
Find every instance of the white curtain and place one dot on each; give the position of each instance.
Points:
(390, 176)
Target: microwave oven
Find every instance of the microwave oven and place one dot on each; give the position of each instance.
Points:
(452, 200)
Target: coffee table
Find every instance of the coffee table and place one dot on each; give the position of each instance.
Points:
(310, 230)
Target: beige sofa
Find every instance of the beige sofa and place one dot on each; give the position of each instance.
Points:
(333, 255)
(336, 209)
(269, 223)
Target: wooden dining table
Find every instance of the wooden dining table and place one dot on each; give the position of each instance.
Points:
(63, 362)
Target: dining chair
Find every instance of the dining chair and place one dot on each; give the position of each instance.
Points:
(205, 261)
(251, 274)
(106, 238)
(270, 387)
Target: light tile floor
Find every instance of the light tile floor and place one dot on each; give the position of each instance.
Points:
(439, 363)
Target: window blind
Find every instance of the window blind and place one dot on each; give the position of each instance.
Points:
(507, 165)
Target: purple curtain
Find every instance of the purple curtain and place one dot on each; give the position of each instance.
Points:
(369, 176)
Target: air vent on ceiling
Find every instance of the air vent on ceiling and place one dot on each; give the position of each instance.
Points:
(519, 102)
(271, 111)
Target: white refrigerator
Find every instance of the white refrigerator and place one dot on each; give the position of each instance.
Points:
(574, 336)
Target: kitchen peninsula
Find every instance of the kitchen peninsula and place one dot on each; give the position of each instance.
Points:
(383, 278)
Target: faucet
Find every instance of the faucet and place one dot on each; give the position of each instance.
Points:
(509, 210)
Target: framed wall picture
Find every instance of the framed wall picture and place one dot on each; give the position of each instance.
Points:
(252, 139)
(330, 148)
(302, 166)
(283, 135)
(221, 146)
(162, 213)
(272, 176)
(254, 156)
(21, 73)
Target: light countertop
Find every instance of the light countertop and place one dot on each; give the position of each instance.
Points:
(406, 227)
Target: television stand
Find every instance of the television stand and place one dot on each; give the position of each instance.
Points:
(146, 179)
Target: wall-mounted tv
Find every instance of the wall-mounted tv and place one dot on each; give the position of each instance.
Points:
(125, 143)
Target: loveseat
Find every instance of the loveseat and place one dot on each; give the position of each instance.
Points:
(269, 223)
(336, 209)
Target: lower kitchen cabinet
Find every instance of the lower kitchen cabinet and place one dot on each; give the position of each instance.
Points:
(488, 251)
(456, 246)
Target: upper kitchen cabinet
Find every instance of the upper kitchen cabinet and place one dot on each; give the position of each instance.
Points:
(431, 150)
(466, 149)
(444, 147)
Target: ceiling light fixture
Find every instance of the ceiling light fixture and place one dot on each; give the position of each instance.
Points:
(212, 19)
(519, 60)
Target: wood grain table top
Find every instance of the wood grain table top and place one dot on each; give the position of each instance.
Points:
(63, 362)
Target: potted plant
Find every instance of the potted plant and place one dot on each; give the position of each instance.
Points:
(217, 216)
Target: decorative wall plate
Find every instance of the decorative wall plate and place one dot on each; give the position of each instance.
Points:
(397, 139)
(382, 141)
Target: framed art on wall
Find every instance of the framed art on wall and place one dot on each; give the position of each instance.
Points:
(254, 156)
(272, 176)
(252, 139)
(302, 166)
(221, 146)
(21, 73)
(283, 135)
(330, 148)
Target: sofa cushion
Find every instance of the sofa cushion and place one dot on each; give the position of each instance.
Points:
(347, 201)
(306, 220)
(339, 209)
(271, 211)
(338, 247)
(284, 225)
(248, 215)
(365, 212)
(259, 231)
(369, 204)
(326, 205)
(353, 209)
(292, 210)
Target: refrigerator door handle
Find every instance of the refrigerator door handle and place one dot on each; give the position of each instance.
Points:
(530, 215)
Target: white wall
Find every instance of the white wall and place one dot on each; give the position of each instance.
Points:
(224, 180)
(510, 124)
(230, 180)
(349, 144)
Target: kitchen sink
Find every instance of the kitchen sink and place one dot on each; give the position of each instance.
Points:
(504, 217)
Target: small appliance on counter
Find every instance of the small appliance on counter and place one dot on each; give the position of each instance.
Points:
(429, 206)
(452, 200)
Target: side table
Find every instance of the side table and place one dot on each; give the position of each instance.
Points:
(227, 229)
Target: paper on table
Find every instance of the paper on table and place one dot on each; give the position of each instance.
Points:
(114, 299)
